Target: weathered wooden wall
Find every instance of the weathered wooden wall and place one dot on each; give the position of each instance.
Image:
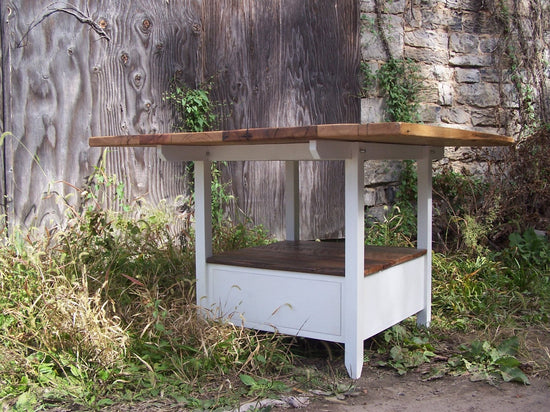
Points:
(286, 63)
(64, 82)
(3, 192)
(100, 68)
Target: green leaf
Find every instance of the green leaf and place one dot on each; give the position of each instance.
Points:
(514, 375)
(508, 362)
(247, 380)
(105, 402)
(509, 346)
(26, 402)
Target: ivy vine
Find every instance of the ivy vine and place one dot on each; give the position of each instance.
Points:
(399, 80)
(523, 50)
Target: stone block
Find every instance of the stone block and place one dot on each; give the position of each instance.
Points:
(427, 56)
(377, 214)
(430, 92)
(463, 43)
(471, 5)
(510, 97)
(488, 44)
(388, 7)
(372, 110)
(428, 39)
(445, 91)
(371, 45)
(381, 198)
(458, 153)
(437, 72)
(379, 172)
(455, 115)
(468, 75)
(491, 74)
(471, 60)
(482, 117)
(478, 94)
(481, 22)
(430, 113)
(440, 17)
(369, 196)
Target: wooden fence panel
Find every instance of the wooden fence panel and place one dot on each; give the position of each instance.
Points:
(100, 68)
(151, 42)
(3, 192)
(66, 82)
(286, 63)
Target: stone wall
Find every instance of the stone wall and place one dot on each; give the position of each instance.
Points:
(456, 45)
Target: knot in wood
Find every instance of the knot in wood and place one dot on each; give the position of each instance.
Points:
(124, 58)
(146, 24)
(102, 23)
(197, 28)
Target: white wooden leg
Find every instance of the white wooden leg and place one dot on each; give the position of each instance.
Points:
(424, 170)
(292, 200)
(355, 250)
(203, 226)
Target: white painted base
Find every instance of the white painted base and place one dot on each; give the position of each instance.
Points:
(312, 305)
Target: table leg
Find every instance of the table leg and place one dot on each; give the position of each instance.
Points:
(203, 226)
(292, 200)
(424, 171)
(352, 296)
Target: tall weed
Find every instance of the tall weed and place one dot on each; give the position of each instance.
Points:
(107, 306)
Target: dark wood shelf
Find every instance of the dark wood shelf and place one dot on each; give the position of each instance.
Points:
(327, 258)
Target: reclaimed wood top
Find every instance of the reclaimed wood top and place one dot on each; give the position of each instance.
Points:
(393, 133)
(325, 258)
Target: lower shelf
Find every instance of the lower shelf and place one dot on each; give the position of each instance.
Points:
(298, 288)
(326, 258)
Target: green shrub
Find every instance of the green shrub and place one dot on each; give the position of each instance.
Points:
(194, 110)
(528, 260)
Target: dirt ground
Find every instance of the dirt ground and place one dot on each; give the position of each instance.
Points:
(384, 391)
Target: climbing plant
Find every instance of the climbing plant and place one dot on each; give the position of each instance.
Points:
(524, 57)
(398, 79)
(193, 108)
(401, 83)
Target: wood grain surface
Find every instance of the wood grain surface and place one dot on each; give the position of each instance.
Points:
(393, 133)
(80, 69)
(326, 258)
(64, 82)
(284, 63)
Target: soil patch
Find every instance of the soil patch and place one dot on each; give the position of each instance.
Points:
(383, 391)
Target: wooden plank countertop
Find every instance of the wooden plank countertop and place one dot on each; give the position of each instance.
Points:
(393, 133)
(325, 258)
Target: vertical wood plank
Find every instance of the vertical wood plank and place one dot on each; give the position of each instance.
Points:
(150, 44)
(48, 109)
(292, 200)
(285, 63)
(4, 59)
